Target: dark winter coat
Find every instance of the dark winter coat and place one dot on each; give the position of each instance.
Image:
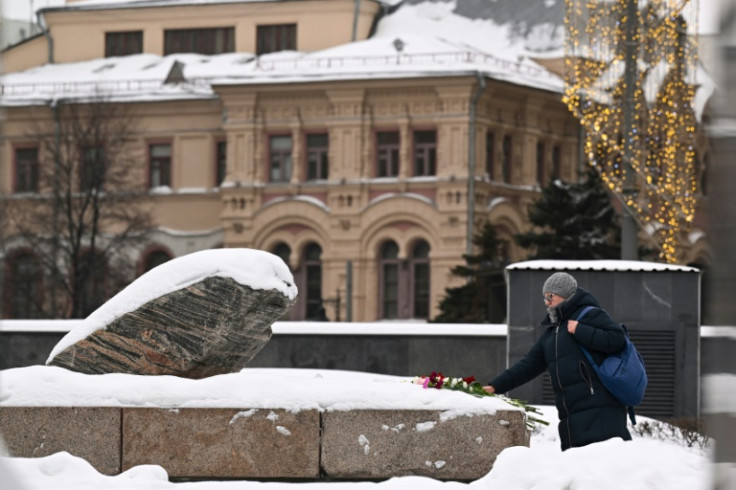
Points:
(588, 412)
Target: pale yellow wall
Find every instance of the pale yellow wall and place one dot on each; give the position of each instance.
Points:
(80, 35)
(194, 152)
(187, 212)
(34, 52)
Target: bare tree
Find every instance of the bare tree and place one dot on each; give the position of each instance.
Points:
(88, 214)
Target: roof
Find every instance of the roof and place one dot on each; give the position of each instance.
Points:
(599, 265)
(416, 40)
(507, 40)
(134, 4)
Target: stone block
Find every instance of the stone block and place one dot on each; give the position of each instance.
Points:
(375, 444)
(223, 442)
(91, 433)
(214, 326)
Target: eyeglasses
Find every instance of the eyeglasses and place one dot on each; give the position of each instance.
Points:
(548, 297)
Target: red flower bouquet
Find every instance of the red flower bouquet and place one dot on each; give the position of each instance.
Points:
(471, 386)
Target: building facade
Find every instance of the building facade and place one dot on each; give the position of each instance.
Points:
(367, 172)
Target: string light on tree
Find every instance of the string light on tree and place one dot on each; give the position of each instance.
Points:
(662, 131)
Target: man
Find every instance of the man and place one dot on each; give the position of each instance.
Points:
(588, 412)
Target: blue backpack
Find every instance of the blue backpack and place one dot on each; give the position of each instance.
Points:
(623, 374)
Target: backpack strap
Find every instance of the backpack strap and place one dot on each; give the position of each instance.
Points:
(585, 310)
(582, 348)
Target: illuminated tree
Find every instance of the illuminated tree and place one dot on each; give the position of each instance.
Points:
(640, 126)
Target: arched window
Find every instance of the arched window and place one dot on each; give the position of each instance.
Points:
(404, 284)
(313, 281)
(420, 280)
(389, 279)
(23, 286)
(154, 259)
(282, 251)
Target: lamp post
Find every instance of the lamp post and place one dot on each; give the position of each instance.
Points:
(628, 223)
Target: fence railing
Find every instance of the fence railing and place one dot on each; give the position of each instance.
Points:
(308, 63)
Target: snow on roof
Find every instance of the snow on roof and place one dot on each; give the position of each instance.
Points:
(416, 41)
(599, 265)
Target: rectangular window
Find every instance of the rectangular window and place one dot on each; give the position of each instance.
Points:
(507, 159)
(215, 40)
(272, 38)
(26, 170)
(317, 151)
(221, 162)
(490, 155)
(421, 290)
(92, 170)
(123, 43)
(280, 158)
(314, 291)
(387, 154)
(425, 153)
(540, 164)
(556, 161)
(390, 291)
(159, 165)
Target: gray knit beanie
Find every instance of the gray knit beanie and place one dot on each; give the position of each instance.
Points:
(560, 283)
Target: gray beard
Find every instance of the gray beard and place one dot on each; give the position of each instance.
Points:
(552, 312)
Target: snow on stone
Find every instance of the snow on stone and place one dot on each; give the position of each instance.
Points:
(293, 390)
(242, 415)
(283, 430)
(363, 441)
(425, 426)
(396, 429)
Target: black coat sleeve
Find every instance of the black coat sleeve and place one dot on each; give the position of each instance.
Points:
(597, 331)
(526, 369)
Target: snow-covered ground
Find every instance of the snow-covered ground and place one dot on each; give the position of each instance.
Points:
(647, 463)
